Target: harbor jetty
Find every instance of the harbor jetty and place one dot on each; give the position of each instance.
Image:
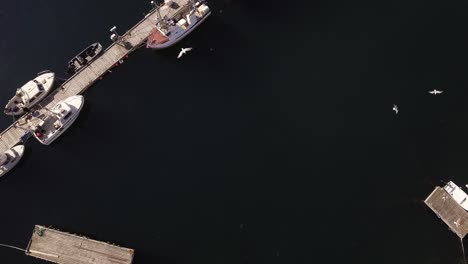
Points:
(449, 210)
(111, 57)
(65, 248)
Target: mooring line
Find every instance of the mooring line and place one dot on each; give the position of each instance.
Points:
(4, 245)
(463, 250)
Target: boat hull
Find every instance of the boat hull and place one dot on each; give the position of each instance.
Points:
(86, 56)
(77, 102)
(16, 152)
(172, 42)
(45, 79)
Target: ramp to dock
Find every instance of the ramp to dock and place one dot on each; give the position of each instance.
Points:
(64, 248)
(447, 209)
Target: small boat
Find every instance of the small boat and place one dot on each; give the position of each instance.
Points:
(30, 94)
(188, 16)
(457, 194)
(84, 57)
(60, 117)
(10, 158)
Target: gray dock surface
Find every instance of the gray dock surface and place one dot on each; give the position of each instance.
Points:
(64, 248)
(447, 209)
(88, 75)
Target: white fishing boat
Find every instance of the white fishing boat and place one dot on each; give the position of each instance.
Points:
(457, 194)
(30, 94)
(10, 158)
(186, 15)
(60, 117)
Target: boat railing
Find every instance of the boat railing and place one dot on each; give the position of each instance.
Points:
(43, 72)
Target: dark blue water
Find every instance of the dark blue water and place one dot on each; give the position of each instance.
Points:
(280, 146)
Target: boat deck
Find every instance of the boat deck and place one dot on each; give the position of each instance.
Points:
(88, 75)
(447, 209)
(64, 248)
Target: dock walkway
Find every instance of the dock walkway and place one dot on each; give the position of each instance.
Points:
(64, 248)
(447, 209)
(87, 76)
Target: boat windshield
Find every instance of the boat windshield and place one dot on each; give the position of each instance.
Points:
(39, 85)
(4, 159)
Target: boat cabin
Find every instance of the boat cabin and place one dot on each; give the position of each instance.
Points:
(63, 111)
(30, 92)
(5, 158)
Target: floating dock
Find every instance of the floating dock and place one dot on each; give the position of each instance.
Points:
(64, 248)
(447, 209)
(88, 75)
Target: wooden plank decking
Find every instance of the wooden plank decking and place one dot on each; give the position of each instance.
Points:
(64, 248)
(447, 209)
(82, 80)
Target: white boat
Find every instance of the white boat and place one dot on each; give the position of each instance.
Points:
(187, 16)
(30, 94)
(60, 117)
(10, 158)
(457, 194)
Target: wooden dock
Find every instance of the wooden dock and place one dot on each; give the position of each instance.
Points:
(447, 209)
(64, 248)
(87, 76)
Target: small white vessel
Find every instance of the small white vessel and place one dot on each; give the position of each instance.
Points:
(188, 15)
(30, 94)
(457, 194)
(10, 158)
(60, 117)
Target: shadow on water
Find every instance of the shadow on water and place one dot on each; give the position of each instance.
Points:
(146, 255)
(85, 112)
(3, 17)
(217, 32)
(272, 10)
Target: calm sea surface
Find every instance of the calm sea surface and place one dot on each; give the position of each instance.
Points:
(279, 146)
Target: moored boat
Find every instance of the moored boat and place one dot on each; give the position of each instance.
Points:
(10, 158)
(60, 117)
(84, 57)
(30, 93)
(187, 15)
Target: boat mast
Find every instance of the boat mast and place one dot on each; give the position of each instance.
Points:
(158, 13)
